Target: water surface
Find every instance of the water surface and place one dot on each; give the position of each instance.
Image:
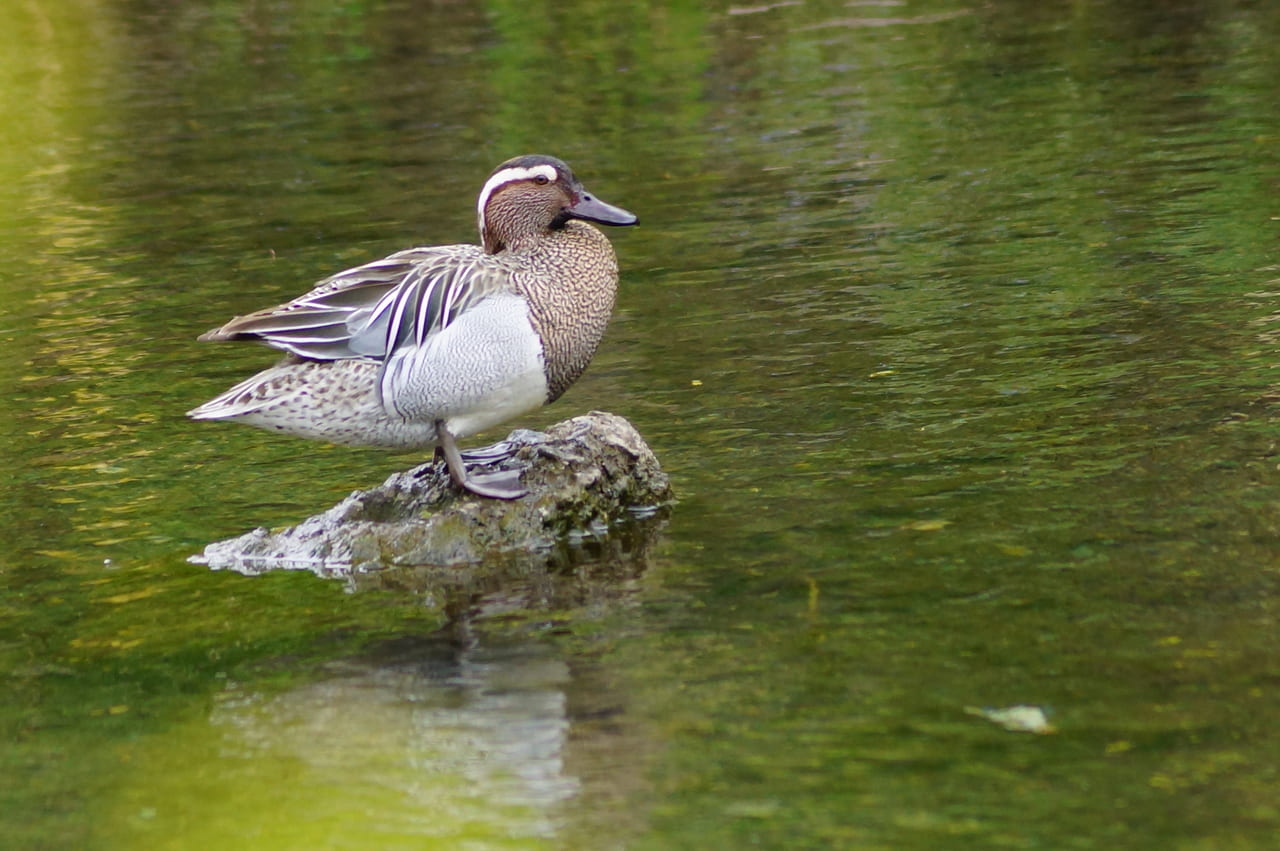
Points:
(954, 325)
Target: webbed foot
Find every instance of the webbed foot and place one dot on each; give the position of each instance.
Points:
(501, 484)
(500, 451)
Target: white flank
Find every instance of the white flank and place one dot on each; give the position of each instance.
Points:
(509, 175)
(483, 369)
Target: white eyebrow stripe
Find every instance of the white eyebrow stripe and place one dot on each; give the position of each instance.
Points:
(508, 175)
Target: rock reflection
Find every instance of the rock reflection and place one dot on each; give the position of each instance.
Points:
(588, 574)
(581, 572)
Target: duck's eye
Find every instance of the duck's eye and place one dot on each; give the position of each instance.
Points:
(541, 180)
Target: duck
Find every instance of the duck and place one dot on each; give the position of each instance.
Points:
(436, 343)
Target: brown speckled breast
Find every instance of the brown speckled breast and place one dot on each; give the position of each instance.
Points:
(570, 278)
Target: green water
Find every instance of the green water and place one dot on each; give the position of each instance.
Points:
(955, 326)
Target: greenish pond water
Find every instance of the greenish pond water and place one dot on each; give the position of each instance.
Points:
(954, 324)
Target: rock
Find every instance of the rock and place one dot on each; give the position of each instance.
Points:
(596, 492)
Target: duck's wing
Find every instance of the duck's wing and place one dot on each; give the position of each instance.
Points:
(426, 302)
(367, 311)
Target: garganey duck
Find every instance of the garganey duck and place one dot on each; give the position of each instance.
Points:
(437, 343)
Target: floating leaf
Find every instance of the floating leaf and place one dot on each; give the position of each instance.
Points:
(1018, 719)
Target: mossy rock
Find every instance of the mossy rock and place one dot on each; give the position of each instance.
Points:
(590, 479)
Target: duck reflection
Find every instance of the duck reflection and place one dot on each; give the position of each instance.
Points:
(482, 732)
(437, 739)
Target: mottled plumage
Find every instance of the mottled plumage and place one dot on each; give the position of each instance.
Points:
(440, 342)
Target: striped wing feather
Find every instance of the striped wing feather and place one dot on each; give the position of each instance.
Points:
(371, 310)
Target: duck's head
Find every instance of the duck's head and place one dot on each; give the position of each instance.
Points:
(529, 195)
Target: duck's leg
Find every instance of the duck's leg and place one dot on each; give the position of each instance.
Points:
(504, 484)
